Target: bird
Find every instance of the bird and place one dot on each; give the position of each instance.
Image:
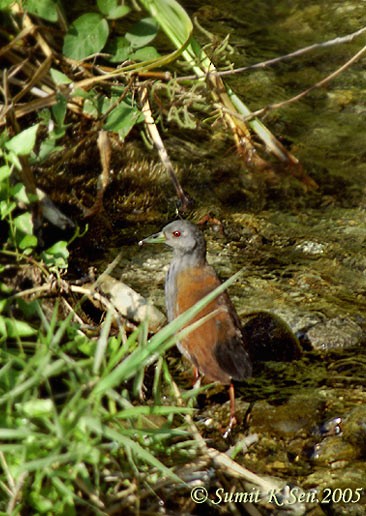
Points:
(218, 348)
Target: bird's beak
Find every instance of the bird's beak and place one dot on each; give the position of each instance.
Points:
(156, 238)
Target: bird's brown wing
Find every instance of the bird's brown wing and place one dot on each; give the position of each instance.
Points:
(215, 347)
(232, 355)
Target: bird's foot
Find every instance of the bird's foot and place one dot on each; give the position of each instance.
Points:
(196, 377)
(231, 425)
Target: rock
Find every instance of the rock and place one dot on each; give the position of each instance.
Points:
(336, 333)
(130, 304)
(270, 338)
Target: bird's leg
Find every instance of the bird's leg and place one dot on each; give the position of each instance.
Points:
(233, 420)
(196, 375)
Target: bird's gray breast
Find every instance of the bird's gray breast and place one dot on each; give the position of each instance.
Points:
(171, 290)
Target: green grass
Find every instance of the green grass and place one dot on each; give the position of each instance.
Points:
(63, 427)
(74, 431)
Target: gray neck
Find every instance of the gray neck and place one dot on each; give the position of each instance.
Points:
(185, 260)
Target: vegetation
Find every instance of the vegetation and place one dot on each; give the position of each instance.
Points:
(77, 429)
(90, 417)
(70, 433)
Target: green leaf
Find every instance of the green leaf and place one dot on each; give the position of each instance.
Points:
(6, 207)
(4, 137)
(56, 255)
(13, 433)
(122, 119)
(59, 110)
(3, 331)
(5, 289)
(40, 503)
(3, 305)
(26, 242)
(5, 172)
(29, 308)
(98, 105)
(119, 48)
(36, 408)
(5, 3)
(23, 143)
(59, 77)
(19, 192)
(143, 32)
(86, 36)
(112, 10)
(145, 54)
(15, 328)
(24, 223)
(79, 92)
(141, 452)
(143, 410)
(46, 9)
(13, 158)
(47, 147)
(173, 20)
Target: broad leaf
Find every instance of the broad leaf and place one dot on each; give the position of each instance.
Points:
(14, 328)
(59, 77)
(25, 242)
(145, 54)
(119, 49)
(112, 10)
(24, 223)
(142, 33)
(86, 36)
(122, 119)
(5, 172)
(46, 9)
(57, 255)
(23, 143)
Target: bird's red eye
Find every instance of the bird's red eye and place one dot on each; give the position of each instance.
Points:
(176, 234)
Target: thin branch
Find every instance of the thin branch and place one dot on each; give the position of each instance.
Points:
(163, 154)
(264, 64)
(16, 492)
(105, 152)
(13, 43)
(220, 460)
(299, 96)
(39, 75)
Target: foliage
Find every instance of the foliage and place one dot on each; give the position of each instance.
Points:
(60, 439)
(95, 35)
(72, 435)
(15, 200)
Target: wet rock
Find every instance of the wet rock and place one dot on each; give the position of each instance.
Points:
(336, 333)
(270, 338)
(332, 426)
(333, 451)
(354, 429)
(299, 414)
(310, 247)
(340, 483)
